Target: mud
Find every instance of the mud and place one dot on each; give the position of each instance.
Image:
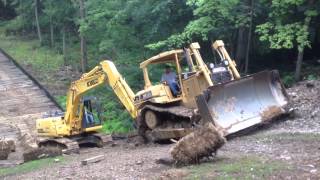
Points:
(270, 113)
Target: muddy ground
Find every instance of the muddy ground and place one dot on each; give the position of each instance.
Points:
(289, 148)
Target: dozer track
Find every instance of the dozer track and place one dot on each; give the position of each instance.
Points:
(173, 122)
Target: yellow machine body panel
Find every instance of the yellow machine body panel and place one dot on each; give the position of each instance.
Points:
(52, 126)
(159, 94)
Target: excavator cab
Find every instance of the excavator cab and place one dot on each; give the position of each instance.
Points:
(91, 113)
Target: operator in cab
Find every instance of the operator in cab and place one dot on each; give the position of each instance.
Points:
(169, 77)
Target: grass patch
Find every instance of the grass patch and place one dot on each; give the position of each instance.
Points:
(30, 53)
(248, 167)
(30, 166)
(62, 101)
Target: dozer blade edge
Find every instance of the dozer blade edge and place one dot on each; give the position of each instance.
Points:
(239, 104)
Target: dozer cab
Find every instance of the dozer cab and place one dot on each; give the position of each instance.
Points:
(216, 93)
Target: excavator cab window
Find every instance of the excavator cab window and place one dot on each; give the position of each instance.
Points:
(91, 114)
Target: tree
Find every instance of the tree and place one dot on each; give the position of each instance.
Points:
(288, 26)
(230, 20)
(249, 36)
(83, 43)
(36, 13)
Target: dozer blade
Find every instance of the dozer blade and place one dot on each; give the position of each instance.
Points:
(239, 104)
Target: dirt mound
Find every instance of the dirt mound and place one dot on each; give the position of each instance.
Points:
(203, 142)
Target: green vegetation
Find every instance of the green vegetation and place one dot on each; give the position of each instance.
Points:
(30, 166)
(288, 79)
(28, 52)
(248, 167)
(61, 100)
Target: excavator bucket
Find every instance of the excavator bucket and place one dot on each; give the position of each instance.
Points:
(239, 104)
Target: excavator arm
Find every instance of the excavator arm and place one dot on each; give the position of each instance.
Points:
(107, 73)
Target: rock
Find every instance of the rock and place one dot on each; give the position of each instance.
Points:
(6, 147)
(313, 171)
(309, 84)
(285, 157)
(56, 160)
(165, 161)
(310, 165)
(139, 162)
(92, 159)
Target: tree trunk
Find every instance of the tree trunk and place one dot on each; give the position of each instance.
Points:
(37, 20)
(51, 32)
(297, 74)
(64, 47)
(83, 42)
(249, 39)
(240, 48)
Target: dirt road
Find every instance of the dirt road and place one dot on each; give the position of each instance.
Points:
(286, 149)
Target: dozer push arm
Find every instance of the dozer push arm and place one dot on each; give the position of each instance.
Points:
(219, 47)
(107, 73)
(200, 63)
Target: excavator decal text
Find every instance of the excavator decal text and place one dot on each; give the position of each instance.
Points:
(92, 82)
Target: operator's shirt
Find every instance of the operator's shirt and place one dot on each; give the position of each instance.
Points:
(169, 77)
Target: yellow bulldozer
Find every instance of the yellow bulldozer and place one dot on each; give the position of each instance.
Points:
(213, 92)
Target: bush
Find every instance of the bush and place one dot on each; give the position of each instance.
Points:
(312, 77)
(288, 79)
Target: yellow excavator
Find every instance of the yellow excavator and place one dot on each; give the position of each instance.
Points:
(213, 93)
(79, 125)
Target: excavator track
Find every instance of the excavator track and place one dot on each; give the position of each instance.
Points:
(72, 144)
(67, 145)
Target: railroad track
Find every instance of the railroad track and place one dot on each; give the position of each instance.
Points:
(22, 98)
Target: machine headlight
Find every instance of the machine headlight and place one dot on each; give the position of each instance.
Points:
(226, 62)
(211, 65)
(146, 95)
